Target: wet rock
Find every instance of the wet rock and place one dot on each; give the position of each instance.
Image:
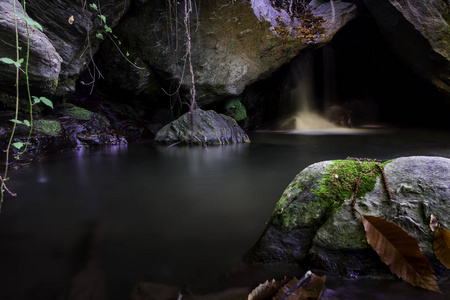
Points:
(44, 62)
(67, 128)
(208, 128)
(306, 229)
(419, 33)
(75, 42)
(233, 45)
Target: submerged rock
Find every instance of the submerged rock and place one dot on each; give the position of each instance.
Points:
(205, 128)
(313, 225)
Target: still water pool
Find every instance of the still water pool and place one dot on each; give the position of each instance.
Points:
(179, 216)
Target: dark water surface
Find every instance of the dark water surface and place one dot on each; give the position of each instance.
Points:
(178, 216)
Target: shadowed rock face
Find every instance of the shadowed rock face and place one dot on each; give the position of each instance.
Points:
(44, 63)
(232, 46)
(76, 43)
(419, 33)
(302, 231)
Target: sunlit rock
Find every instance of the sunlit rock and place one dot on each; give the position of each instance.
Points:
(313, 224)
(205, 128)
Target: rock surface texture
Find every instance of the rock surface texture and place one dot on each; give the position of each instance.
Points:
(233, 44)
(208, 128)
(302, 230)
(45, 62)
(75, 41)
(419, 32)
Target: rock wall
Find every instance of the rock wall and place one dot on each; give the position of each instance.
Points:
(45, 62)
(233, 45)
(419, 32)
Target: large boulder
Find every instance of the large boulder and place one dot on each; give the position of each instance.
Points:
(233, 43)
(204, 128)
(313, 225)
(75, 39)
(419, 33)
(44, 61)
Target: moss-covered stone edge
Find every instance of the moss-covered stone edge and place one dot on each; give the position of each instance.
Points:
(75, 112)
(308, 201)
(340, 180)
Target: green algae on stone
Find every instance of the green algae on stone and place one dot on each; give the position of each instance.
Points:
(76, 112)
(48, 127)
(340, 180)
(298, 207)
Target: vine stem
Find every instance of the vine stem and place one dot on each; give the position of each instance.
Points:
(8, 148)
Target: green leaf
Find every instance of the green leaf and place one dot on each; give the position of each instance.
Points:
(30, 21)
(107, 28)
(99, 35)
(128, 54)
(8, 61)
(120, 43)
(93, 6)
(102, 17)
(26, 122)
(36, 99)
(16, 121)
(46, 101)
(18, 145)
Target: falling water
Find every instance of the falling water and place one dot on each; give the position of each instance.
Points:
(300, 111)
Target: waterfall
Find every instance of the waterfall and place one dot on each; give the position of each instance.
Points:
(300, 111)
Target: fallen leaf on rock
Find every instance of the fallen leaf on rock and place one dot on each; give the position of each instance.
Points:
(400, 252)
(441, 246)
(310, 290)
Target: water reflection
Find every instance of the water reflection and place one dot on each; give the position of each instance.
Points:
(175, 215)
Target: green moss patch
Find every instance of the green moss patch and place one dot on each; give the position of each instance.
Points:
(340, 181)
(76, 112)
(48, 127)
(235, 109)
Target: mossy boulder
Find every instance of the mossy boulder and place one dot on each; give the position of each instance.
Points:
(205, 128)
(313, 224)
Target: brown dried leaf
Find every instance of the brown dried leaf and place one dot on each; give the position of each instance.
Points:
(313, 290)
(400, 252)
(441, 246)
(267, 289)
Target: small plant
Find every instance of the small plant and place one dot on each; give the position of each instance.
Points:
(21, 65)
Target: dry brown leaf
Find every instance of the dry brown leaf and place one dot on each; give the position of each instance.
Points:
(441, 246)
(400, 252)
(267, 289)
(311, 290)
